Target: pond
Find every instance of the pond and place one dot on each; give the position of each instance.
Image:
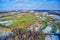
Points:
(6, 23)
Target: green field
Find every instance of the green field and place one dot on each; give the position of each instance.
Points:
(22, 21)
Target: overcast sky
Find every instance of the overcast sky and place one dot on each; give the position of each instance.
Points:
(8, 5)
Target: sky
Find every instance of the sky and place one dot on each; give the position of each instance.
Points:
(8, 5)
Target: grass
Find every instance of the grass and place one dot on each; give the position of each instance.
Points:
(22, 22)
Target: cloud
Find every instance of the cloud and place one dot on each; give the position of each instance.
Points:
(22, 0)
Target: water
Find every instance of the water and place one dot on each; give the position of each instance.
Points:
(6, 23)
(52, 37)
(7, 35)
